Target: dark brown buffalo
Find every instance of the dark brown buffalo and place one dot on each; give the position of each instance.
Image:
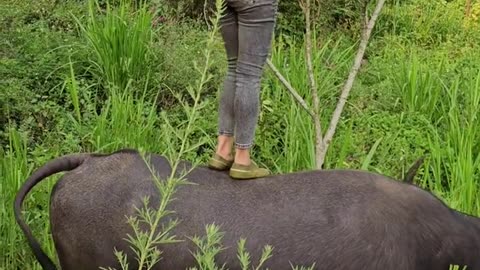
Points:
(337, 219)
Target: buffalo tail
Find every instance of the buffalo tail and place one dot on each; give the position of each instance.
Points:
(65, 163)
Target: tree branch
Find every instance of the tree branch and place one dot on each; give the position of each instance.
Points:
(351, 78)
(319, 145)
(289, 87)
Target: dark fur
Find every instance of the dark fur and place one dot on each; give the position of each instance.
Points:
(338, 219)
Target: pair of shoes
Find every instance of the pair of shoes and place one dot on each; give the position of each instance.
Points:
(243, 172)
(219, 163)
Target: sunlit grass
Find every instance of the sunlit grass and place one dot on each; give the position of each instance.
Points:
(455, 148)
(120, 40)
(297, 136)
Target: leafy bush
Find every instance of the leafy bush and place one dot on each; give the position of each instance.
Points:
(426, 23)
(32, 65)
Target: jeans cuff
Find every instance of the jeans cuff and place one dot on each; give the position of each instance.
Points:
(243, 146)
(225, 133)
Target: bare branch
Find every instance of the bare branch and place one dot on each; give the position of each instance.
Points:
(319, 145)
(289, 87)
(351, 78)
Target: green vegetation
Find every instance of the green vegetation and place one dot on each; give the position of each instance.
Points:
(71, 82)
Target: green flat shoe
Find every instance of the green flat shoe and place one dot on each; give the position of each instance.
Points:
(219, 163)
(251, 171)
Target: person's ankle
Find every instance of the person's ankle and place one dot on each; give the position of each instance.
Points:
(227, 155)
(224, 147)
(243, 162)
(242, 157)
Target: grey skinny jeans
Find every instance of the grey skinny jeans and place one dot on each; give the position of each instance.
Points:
(247, 29)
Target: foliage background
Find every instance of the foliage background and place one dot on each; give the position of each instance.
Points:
(417, 94)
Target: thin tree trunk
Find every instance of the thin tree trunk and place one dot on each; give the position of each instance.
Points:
(323, 142)
(319, 145)
(468, 8)
(351, 78)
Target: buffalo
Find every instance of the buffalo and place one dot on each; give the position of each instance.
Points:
(332, 219)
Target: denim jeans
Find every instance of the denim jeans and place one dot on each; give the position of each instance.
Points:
(247, 29)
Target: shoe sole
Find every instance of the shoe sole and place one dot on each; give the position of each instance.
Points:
(240, 175)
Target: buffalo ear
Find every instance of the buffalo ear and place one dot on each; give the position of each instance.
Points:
(412, 172)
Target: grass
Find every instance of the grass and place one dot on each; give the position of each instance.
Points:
(419, 94)
(456, 152)
(420, 87)
(120, 41)
(14, 169)
(298, 139)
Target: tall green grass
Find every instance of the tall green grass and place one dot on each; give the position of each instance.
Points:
(120, 41)
(13, 171)
(126, 120)
(420, 87)
(16, 165)
(451, 106)
(296, 134)
(455, 163)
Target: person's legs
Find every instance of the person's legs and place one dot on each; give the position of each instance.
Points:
(256, 22)
(247, 29)
(229, 31)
